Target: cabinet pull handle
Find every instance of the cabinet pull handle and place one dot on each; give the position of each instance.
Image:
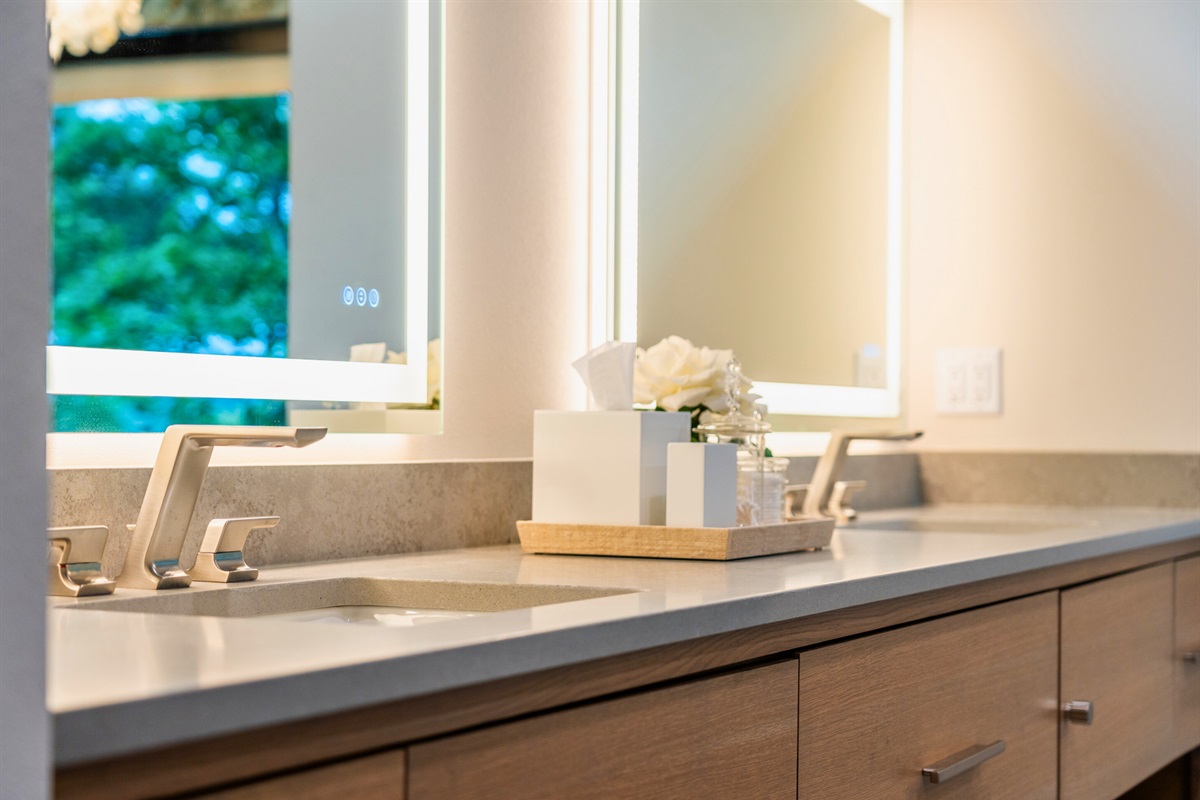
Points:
(962, 761)
(1192, 657)
(1079, 711)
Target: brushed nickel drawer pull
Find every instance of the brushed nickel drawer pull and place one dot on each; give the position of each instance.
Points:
(962, 761)
(1079, 711)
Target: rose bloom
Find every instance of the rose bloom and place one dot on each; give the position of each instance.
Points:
(675, 374)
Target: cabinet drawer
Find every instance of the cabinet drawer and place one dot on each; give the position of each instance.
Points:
(378, 776)
(729, 736)
(875, 711)
(1118, 654)
(1187, 652)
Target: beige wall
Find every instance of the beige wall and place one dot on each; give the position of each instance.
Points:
(516, 222)
(1054, 188)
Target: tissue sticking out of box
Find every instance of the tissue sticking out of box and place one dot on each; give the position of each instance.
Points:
(607, 371)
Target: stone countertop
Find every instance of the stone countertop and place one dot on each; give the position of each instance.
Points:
(119, 682)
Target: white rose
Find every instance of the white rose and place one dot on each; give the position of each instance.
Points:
(675, 374)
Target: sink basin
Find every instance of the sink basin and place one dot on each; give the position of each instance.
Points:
(959, 526)
(371, 601)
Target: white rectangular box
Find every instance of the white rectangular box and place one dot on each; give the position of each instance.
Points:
(603, 467)
(702, 485)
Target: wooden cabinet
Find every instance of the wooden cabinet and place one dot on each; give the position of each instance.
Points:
(875, 711)
(379, 777)
(1187, 656)
(1118, 653)
(733, 735)
(883, 691)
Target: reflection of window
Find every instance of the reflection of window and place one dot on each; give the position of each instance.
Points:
(170, 223)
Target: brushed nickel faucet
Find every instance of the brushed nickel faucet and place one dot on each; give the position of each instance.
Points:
(162, 524)
(827, 496)
(74, 568)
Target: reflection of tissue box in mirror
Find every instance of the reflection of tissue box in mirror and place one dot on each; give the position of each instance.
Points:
(603, 467)
(702, 485)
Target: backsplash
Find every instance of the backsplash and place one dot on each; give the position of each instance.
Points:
(359, 510)
(328, 511)
(1163, 480)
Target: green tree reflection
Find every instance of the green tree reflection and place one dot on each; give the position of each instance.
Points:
(170, 223)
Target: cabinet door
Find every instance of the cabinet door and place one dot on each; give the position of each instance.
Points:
(379, 777)
(1118, 654)
(1187, 654)
(876, 711)
(730, 736)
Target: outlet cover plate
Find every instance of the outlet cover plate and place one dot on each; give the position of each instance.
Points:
(969, 380)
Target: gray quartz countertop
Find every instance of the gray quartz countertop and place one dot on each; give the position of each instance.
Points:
(119, 682)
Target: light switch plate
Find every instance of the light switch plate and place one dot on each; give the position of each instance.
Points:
(969, 380)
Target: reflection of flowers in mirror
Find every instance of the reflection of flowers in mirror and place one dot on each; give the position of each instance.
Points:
(80, 26)
(433, 371)
(676, 375)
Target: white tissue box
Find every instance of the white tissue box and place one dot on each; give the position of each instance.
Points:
(702, 485)
(603, 467)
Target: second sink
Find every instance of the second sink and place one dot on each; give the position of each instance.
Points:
(919, 525)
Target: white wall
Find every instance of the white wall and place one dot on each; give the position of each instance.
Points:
(1054, 211)
(24, 725)
(516, 222)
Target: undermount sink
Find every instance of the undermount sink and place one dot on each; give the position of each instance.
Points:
(386, 602)
(919, 525)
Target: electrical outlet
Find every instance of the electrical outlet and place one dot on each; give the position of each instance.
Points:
(969, 380)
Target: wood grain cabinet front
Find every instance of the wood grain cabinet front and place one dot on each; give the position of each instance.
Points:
(378, 777)
(729, 736)
(1187, 655)
(964, 706)
(1118, 655)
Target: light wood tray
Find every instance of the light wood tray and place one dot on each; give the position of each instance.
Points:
(659, 541)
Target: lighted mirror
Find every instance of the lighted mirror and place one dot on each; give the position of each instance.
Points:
(246, 214)
(756, 179)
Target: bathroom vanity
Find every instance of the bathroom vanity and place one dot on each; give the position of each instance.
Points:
(944, 639)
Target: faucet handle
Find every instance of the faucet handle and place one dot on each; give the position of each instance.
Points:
(74, 570)
(839, 500)
(793, 499)
(220, 559)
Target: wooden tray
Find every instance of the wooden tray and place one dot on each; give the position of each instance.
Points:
(659, 541)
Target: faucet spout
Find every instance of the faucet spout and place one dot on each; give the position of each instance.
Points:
(157, 545)
(829, 468)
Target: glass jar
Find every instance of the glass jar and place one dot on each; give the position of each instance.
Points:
(761, 478)
(761, 488)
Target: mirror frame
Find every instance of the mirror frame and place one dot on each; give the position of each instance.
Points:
(614, 210)
(104, 371)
